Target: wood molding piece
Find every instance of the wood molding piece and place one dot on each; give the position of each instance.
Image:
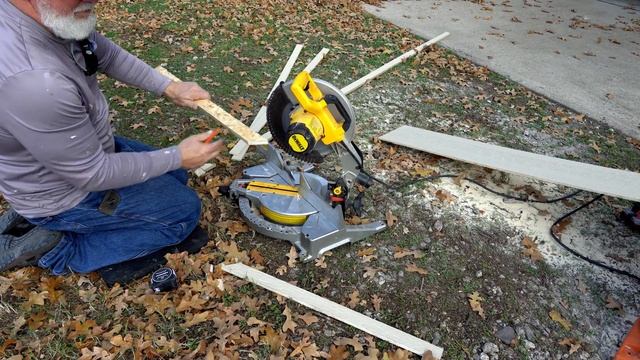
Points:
(390, 65)
(261, 118)
(316, 60)
(223, 117)
(334, 310)
(598, 179)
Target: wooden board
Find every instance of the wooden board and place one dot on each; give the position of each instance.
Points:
(223, 117)
(597, 179)
(240, 149)
(334, 310)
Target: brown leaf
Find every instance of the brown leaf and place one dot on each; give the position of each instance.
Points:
(293, 257)
(531, 249)
(400, 253)
(557, 317)
(562, 225)
(256, 257)
(233, 254)
(321, 263)
(234, 227)
(137, 125)
(196, 319)
(445, 196)
(309, 318)
(338, 353)
(399, 354)
(354, 299)
(391, 219)
(573, 344)
(376, 301)
(272, 339)
(370, 272)
(366, 252)
(289, 324)
(353, 342)
(428, 355)
(474, 302)
(612, 303)
(227, 69)
(413, 268)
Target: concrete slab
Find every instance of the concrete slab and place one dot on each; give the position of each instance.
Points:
(584, 54)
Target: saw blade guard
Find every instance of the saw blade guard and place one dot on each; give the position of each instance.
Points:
(308, 116)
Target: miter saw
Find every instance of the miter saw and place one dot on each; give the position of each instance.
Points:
(282, 198)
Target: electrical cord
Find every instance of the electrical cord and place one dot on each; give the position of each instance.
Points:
(577, 254)
(435, 177)
(523, 199)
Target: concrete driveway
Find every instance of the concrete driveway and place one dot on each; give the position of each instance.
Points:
(584, 54)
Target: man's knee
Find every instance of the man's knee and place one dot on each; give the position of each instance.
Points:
(190, 208)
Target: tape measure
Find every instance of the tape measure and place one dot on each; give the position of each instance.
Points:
(164, 279)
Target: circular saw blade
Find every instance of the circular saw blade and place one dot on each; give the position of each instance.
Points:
(279, 107)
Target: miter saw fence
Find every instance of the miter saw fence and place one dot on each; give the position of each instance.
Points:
(309, 120)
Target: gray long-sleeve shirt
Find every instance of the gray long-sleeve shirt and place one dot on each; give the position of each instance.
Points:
(56, 143)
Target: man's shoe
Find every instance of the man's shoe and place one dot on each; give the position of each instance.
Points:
(130, 270)
(22, 243)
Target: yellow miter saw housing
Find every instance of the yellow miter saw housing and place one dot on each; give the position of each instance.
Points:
(283, 198)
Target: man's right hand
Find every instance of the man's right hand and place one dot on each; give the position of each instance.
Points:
(194, 152)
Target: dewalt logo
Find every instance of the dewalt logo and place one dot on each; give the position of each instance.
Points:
(298, 143)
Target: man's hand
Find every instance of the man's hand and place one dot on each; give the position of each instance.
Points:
(186, 93)
(194, 152)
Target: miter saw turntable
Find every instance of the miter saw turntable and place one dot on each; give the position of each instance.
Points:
(283, 198)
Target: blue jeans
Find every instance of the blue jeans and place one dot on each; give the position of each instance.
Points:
(157, 213)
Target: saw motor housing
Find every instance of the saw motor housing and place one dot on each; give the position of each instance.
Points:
(283, 198)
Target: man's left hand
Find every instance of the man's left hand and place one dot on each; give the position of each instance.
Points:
(186, 93)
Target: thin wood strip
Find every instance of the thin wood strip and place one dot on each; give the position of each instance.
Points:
(598, 179)
(223, 117)
(260, 120)
(334, 310)
(390, 65)
(316, 60)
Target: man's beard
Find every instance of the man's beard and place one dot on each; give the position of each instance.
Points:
(67, 26)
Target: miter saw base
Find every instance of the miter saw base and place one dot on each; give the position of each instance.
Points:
(295, 205)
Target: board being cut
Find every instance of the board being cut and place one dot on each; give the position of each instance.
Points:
(227, 120)
(598, 179)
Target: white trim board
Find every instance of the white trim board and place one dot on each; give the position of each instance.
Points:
(334, 310)
(618, 183)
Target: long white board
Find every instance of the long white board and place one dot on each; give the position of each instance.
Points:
(598, 179)
(334, 310)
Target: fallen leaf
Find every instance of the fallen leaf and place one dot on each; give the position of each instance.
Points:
(293, 257)
(557, 317)
(445, 196)
(198, 318)
(413, 268)
(376, 301)
(137, 125)
(573, 344)
(338, 353)
(321, 263)
(562, 225)
(309, 318)
(353, 342)
(531, 249)
(613, 304)
(354, 299)
(391, 219)
(289, 324)
(272, 339)
(474, 302)
(370, 272)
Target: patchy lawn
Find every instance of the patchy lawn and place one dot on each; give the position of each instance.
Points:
(457, 266)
